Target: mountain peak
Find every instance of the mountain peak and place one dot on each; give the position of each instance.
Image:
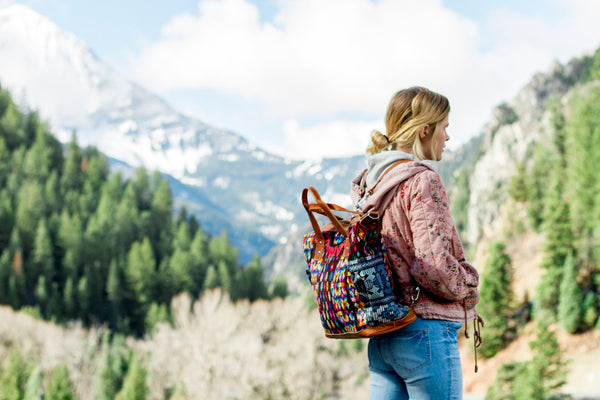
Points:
(74, 90)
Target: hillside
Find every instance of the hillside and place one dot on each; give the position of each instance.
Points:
(224, 350)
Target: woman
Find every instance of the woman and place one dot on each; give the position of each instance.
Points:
(420, 361)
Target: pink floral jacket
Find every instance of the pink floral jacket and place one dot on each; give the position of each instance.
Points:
(422, 242)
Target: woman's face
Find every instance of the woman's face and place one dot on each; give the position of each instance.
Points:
(433, 145)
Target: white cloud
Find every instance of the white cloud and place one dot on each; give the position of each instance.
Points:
(319, 59)
(331, 139)
(315, 58)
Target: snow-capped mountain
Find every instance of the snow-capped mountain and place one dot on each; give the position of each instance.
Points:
(74, 90)
(219, 176)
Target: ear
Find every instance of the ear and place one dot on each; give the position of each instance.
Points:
(424, 131)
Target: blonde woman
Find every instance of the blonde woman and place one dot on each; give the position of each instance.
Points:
(420, 361)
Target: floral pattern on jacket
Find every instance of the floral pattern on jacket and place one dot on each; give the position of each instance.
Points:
(423, 246)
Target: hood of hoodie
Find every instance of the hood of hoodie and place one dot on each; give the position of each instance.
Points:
(376, 166)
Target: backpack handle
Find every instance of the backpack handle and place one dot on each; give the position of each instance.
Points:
(363, 192)
(320, 207)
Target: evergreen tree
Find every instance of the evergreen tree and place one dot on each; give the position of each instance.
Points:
(70, 299)
(199, 261)
(31, 208)
(571, 298)
(41, 295)
(52, 193)
(18, 164)
(280, 288)
(134, 385)
(95, 169)
(507, 379)
(212, 278)
(59, 386)
(13, 378)
(558, 244)
(181, 261)
(141, 278)
(32, 128)
(126, 221)
(250, 283)
(221, 250)
(594, 69)
(5, 165)
(111, 367)
(83, 299)
(584, 150)
(534, 379)
(164, 288)
(38, 161)
(43, 260)
(7, 218)
(536, 184)
(71, 182)
(140, 271)
(518, 185)
(590, 310)
(11, 121)
(157, 313)
(92, 296)
(72, 177)
(5, 275)
(161, 209)
(117, 291)
(87, 202)
(33, 388)
(547, 368)
(143, 192)
(101, 226)
(17, 284)
(55, 305)
(182, 240)
(496, 295)
(181, 266)
(225, 280)
(70, 241)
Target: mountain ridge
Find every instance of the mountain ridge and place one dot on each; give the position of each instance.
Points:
(258, 191)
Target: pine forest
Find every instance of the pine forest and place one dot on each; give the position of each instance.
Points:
(151, 306)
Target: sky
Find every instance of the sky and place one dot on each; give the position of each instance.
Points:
(312, 78)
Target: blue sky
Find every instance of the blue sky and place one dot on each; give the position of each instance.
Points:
(286, 73)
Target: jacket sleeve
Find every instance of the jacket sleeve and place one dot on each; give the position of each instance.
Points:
(439, 266)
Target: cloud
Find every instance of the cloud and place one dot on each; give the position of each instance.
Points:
(316, 60)
(315, 57)
(339, 138)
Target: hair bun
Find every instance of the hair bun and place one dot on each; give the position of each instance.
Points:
(379, 139)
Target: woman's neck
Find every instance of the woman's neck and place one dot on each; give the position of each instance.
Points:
(404, 149)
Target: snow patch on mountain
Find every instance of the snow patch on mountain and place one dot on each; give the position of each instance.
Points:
(225, 180)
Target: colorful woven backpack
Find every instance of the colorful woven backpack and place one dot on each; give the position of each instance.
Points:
(348, 270)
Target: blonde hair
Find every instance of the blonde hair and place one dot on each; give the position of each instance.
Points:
(408, 112)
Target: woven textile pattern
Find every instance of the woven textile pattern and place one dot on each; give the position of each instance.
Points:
(353, 288)
(336, 295)
(370, 275)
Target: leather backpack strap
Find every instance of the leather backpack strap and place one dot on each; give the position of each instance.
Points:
(362, 191)
(320, 207)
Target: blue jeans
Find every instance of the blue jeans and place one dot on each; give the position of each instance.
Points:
(420, 361)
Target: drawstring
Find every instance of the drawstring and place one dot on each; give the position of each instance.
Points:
(478, 323)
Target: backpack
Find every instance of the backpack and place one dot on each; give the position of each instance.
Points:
(348, 270)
